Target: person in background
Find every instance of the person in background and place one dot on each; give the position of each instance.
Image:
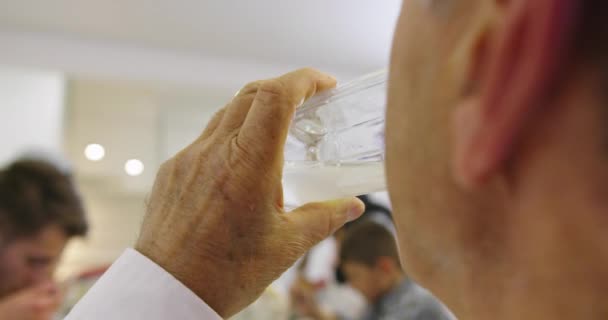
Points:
(374, 212)
(370, 262)
(319, 273)
(40, 211)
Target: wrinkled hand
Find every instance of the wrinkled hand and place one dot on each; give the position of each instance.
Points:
(36, 303)
(215, 217)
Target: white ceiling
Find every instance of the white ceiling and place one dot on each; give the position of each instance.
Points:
(195, 41)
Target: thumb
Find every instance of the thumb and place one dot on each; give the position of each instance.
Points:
(314, 222)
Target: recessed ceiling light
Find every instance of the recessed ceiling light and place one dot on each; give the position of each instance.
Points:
(134, 167)
(94, 152)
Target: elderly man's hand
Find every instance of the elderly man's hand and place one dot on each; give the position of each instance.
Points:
(215, 218)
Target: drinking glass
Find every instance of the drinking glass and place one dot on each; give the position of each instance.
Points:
(335, 146)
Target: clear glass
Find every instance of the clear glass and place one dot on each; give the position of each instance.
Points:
(335, 146)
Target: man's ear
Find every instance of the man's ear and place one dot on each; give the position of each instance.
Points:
(515, 65)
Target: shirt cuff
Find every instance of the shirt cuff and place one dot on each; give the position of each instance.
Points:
(137, 288)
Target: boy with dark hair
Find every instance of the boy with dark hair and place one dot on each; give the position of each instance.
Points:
(370, 262)
(40, 211)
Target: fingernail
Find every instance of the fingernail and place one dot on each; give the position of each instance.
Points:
(355, 210)
(330, 77)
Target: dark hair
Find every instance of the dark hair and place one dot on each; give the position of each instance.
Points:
(592, 34)
(591, 42)
(366, 242)
(372, 206)
(35, 194)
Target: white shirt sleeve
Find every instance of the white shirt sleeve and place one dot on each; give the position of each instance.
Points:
(137, 288)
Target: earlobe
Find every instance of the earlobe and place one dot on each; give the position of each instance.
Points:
(479, 131)
(468, 164)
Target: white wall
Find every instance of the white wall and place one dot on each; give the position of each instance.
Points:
(114, 219)
(31, 111)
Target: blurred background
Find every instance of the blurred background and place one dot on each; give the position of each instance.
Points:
(133, 81)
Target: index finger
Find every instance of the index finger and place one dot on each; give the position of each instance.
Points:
(265, 129)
